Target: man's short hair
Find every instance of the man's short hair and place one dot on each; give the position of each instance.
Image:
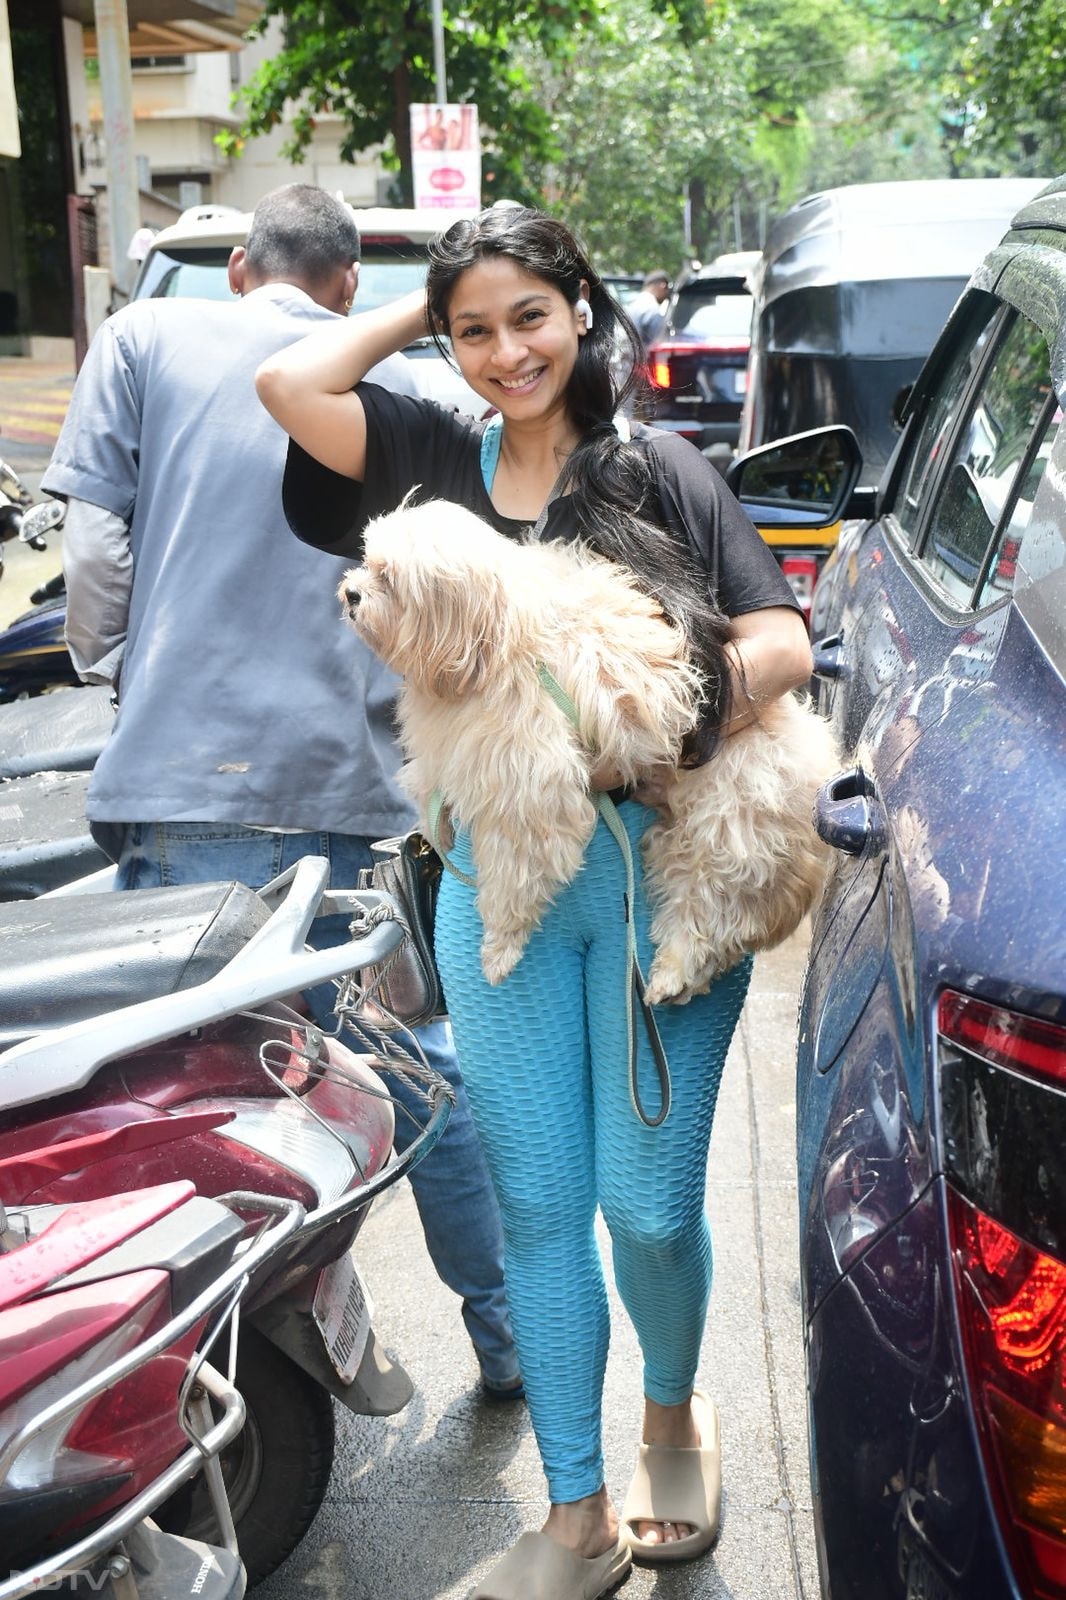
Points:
(658, 276)
(301, 231)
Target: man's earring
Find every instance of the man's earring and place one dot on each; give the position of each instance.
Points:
(583, 309)
(347, 305)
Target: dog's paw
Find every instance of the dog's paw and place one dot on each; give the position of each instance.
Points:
(669, 981)
(500, 958)
(677, 975)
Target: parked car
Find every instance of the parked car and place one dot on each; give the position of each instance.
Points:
(697, 365)
(189, 258)
(931, 1072)
(853, 289)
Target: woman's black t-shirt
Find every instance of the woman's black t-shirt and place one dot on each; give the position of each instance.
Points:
(418, 445)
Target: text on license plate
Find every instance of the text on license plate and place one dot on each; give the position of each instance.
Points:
(342, 1309)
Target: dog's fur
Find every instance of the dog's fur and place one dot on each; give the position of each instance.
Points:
(465, 615)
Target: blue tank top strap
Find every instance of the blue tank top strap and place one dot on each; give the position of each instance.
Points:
(491, 440)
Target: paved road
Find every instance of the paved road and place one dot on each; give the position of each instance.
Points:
(422, 1504)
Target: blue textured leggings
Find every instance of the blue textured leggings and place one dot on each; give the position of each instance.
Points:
(545, 1063)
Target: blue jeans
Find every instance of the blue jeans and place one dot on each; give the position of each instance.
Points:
(453, 1191)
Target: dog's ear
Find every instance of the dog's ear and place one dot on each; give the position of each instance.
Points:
(467, 632)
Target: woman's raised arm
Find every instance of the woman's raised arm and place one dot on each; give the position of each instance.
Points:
(309, 386)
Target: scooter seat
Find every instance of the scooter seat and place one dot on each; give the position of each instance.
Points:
(68, 959)
(44, 838)
(60, 732)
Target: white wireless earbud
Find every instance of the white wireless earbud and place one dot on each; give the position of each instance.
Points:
(583, 309)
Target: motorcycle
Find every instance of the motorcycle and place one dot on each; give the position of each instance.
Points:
(15, 499)
(33, 651)
(109, 1310)
(162, 1025)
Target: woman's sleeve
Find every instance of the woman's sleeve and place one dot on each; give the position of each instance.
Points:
(409, 442)
(698, 507)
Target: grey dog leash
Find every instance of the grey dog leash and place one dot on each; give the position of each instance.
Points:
(637, 1006)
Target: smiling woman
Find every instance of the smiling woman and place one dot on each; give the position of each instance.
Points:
(536, 335)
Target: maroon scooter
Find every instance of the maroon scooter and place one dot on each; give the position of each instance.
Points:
(109, 1311)
(156, 1032)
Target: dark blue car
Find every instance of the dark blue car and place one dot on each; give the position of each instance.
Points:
(932, 1055)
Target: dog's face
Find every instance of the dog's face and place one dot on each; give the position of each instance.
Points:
(431, 597)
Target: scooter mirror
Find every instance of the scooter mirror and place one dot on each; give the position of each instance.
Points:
(37, 521)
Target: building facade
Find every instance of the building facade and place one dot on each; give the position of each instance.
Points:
(187, 57)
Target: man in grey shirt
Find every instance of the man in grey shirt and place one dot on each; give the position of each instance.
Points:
(253, 727)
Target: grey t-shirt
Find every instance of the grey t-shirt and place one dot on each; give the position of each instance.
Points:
(243, 695)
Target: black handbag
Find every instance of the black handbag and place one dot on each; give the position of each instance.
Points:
(407, 986)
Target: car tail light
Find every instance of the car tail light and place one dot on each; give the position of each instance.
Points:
(802, 575)
(659, 371)
(1011, 1297)
(1012, 1310)
(1006, 1038)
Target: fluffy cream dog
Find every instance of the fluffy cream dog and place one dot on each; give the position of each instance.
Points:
(468, 616)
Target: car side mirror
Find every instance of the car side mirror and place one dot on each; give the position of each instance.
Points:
(805, 480)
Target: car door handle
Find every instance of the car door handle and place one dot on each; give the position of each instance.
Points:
(827, 662)
(848, 814)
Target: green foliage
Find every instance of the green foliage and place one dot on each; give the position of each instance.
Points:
(636, 116)
(632, 117)
(777, 98)
(368, 60)
(1013, 70)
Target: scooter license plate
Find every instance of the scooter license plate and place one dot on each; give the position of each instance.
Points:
(343, 1309)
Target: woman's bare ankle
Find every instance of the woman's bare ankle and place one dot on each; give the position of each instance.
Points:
(674, 1426)
(588, 1526)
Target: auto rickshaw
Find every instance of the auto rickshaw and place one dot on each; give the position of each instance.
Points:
(851, 293)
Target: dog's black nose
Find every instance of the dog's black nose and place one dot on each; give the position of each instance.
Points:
(351, 596)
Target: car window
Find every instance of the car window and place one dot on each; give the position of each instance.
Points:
(929, 439)
(712, 316)
(999, 579)
(198, 273)
(387, 275)
(622, 289)
(979, 484)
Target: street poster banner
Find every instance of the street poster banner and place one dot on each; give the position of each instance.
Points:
(446, 157)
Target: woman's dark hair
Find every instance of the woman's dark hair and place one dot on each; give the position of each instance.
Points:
(612, 496)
